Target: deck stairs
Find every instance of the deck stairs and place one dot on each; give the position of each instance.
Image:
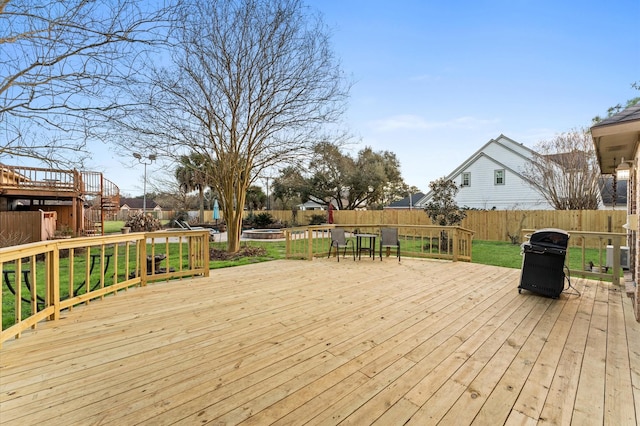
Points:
(103, 198)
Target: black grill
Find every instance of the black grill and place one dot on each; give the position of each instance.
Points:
(543, 262)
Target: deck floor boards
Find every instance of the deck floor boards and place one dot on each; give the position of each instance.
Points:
(322, 343)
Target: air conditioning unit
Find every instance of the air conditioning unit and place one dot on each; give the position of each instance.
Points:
(624, 257)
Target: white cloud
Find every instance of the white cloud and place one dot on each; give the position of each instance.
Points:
(415, 122)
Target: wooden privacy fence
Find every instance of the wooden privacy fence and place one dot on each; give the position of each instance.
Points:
(425, 241)
(500, 225)
(41, 279)
(494, 225)
(20, 227)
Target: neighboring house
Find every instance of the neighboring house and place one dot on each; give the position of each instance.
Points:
(407, 203)
(492, 179)
(130, 206)
(617, 146)
(311, 205)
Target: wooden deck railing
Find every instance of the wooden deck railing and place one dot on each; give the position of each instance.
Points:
(34, 178)
(593, 261)
(425, 241)
(39, 280)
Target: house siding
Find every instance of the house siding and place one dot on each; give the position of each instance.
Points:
(482, 193)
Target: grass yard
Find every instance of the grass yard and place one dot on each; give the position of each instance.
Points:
(483, 252)
(496, 253)
(113, 226)
(250, 252)
(508, 255)
(81, 266)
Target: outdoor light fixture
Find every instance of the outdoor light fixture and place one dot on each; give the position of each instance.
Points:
(623, 171)
(143, 160)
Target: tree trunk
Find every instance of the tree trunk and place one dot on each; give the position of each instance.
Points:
(234, 231)
(233, 213)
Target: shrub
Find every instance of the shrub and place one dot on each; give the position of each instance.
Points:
(263, 220)
(249, 221)
(318, 219)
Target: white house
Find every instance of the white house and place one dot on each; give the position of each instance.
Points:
(492, 179)
(311, 205)
(129, 206)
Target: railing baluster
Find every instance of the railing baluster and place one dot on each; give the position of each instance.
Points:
(50, 275)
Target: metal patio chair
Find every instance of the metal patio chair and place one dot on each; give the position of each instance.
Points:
(339, 241)
(389, 239)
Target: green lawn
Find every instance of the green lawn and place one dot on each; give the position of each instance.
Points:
(113, 226)
(496, 253)
(272, 250)
(486, 252)
(483, 252)
(80, 267)
(508, 255)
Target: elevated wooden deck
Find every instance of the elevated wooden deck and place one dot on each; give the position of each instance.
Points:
(68, 190)
(297, 342)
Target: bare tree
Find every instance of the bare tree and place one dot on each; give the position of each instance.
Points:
(61, 64)
(565, 171)
(170, 194)
(251, 84)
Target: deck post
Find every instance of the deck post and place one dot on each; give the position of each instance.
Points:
(142, 260)
(287, 243)
(53, 281)
(455, 244)
(616, 261)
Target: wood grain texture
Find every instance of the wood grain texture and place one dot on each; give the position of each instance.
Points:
(298, 342)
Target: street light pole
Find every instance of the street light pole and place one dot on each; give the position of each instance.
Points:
(268, 202)
(152, 158)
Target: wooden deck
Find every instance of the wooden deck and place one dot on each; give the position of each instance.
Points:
(298, 342)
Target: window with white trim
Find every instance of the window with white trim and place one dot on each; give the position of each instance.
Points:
(466, 179)
(498, 177)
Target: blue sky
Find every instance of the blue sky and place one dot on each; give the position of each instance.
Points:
(436, 80)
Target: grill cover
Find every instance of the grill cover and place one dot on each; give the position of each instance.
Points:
(550, 237)
(543, 262)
